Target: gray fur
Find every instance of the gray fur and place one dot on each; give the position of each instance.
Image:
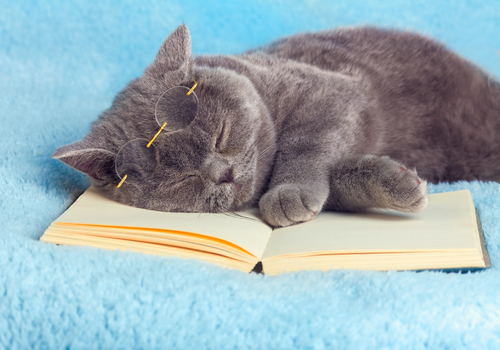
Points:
(336, 120)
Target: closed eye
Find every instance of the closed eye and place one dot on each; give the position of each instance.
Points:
(220, 139)
(182, 180)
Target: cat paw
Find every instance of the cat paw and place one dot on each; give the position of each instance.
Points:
(288, 204)
(400, 188)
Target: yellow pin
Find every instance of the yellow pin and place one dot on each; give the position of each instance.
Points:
(192, 89)
(158, 133)
(121, 182)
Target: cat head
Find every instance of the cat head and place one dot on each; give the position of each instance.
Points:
(219, 161)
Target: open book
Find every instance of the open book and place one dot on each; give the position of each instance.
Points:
(446, 235)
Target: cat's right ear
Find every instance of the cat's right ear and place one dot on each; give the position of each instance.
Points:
(174, 56)
(95, 162)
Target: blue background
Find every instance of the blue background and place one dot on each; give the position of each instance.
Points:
(62, 62)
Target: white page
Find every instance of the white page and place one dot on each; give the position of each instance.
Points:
(94, 209)
(447, 223)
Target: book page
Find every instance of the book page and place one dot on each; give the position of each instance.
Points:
(448, 223)
(249, 233)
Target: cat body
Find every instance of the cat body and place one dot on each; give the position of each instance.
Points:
(336, 120)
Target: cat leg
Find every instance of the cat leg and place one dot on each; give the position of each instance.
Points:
(370, 181)
(297, 192)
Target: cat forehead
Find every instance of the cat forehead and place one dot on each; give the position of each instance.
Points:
(220, 94)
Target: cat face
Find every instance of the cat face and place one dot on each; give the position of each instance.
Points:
(217, 162)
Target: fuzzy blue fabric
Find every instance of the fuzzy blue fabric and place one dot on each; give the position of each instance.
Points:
(62, 62)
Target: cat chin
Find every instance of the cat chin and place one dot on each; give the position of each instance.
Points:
(238, 195)
(234, 196)
(243, 197)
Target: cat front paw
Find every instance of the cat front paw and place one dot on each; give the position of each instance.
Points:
(400, 188)
(373, 181)
(288, 204)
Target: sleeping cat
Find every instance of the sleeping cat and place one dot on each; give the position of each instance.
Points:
(337, 120)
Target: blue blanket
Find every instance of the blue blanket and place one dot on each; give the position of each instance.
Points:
(61, 63)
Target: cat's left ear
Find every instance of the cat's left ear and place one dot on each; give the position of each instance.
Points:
(91, 160)
(174, 56)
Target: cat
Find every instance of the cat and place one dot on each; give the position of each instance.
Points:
(341, 120)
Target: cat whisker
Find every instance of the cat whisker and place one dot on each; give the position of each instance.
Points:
(265, 151)
(232, 213)
(218, 208)
(270, 147)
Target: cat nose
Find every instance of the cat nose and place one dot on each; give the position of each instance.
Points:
(226, 177)
(219, 171)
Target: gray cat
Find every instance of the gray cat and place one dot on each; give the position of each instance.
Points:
(336, 120)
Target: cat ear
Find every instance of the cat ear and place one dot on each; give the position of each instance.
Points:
(95, 162)
(175, 53)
